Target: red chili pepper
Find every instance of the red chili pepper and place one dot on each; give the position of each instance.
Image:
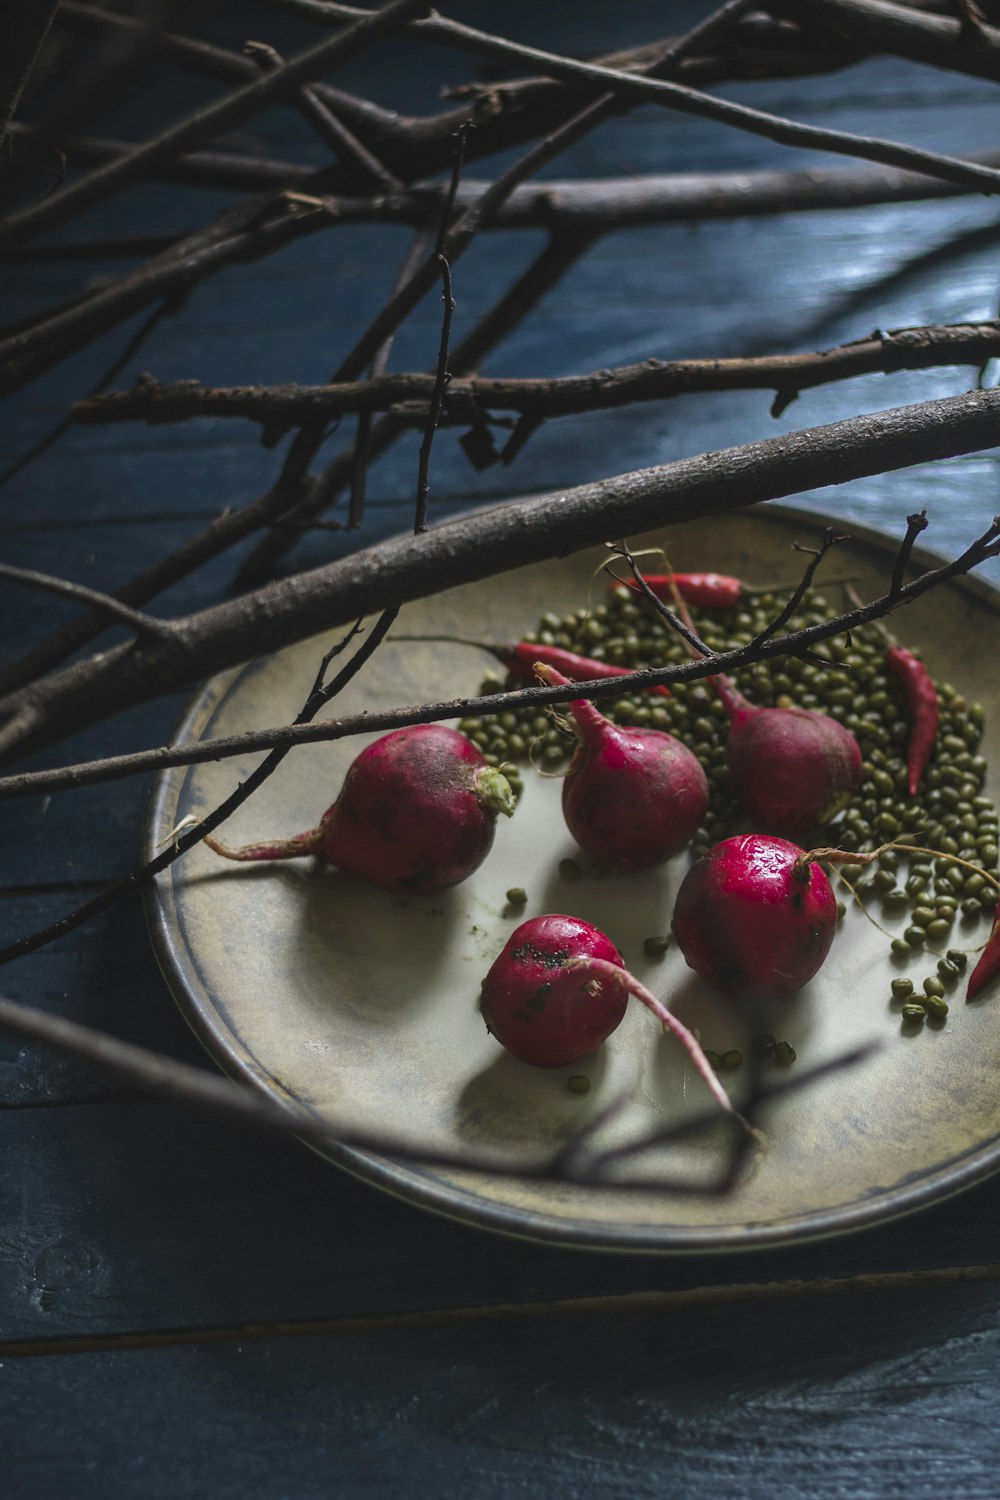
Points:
(922, 703)
(520, 661)
(703, 590)
(712, 590)
(989, 962)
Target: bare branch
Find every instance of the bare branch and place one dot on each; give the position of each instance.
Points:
(27, 25)
(166, 309)
(679, 619)
(113, 608)
(492, 542)
(278, 407)
(511, 111)
(362, 167)
(213, 120)
(456, 241)
(570, 209)
(441, 375)
(361, 456)
(915, 524)
(830, 539)
(878, 26)
(30, 350)
(757, 122)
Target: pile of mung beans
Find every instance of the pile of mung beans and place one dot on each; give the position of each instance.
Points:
(943, 901)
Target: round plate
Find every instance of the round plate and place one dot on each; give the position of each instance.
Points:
(363, 1005)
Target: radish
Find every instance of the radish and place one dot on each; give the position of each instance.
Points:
(792, 769)
(631, 797)
(539, 1006)
(417, 812)
(559, 988)
(755, 917)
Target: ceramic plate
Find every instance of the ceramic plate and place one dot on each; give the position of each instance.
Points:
(363, 1005)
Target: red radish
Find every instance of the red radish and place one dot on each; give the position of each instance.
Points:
(559, 988)
(755, 917)
(631, 797)
(793, 769)
(417, 812)
(539, 1007)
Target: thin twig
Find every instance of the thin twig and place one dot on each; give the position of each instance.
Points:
(417, 252)
(975, 26)
(441, 375)
(437, 396)
(27, 24)
(361, 165)
(97, 247)
(227, 529)
(451, 244)
(567, 209)
(30, 351)
(674, 619)
(830, 539)
(142, 624)
(498, 322)
(915, 524)
(567, 206)
(418, 146)
(167, 308)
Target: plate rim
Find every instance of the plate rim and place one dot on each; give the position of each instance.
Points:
(420, 1185)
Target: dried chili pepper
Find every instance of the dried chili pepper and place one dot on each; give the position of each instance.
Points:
(710, 590)
(922, 704)
(703, 590)
(520, 658)
(921, 701)
(989, 962)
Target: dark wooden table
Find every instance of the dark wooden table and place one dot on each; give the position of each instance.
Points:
(182, 1313)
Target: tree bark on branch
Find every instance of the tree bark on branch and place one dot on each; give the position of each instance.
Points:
(226, 113)
(488, 543)
(879, 26)
(280, 407)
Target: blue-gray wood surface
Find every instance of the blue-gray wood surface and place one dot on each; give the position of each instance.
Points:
(186, 1313)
